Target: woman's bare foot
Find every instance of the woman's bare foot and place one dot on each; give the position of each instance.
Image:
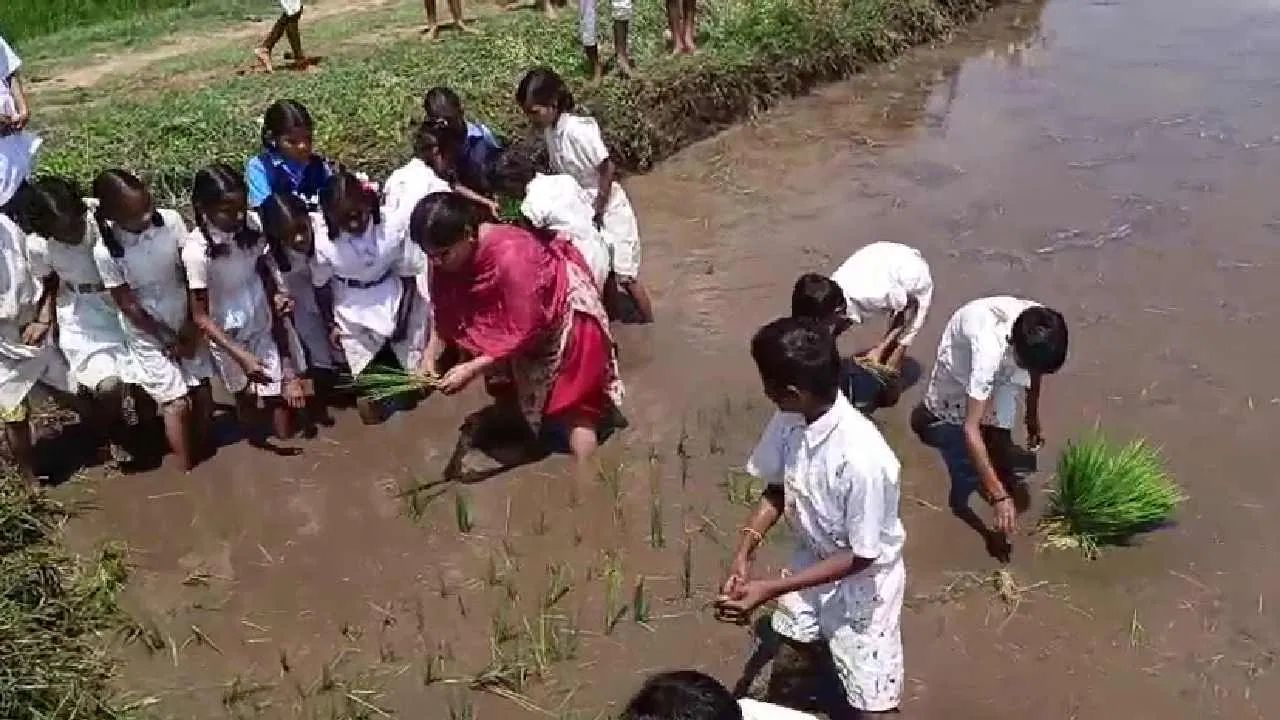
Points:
(264, 59)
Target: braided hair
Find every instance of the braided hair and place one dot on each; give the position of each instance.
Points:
(280, 214)
(109, 187)
(342, 187)
(214, 184)
(41, 204)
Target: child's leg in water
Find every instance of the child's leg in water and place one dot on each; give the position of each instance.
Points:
(635, 289)
(178, 430)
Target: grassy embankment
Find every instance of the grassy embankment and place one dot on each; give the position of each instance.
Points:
(755, 52)
(48, 27)
(56, 611)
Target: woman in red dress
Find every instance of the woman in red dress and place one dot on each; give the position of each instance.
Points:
(520, 304)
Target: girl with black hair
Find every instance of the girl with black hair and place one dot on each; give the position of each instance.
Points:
(27, 352)
(377, 311)
(577, 148)
(288, 162)
(61, 237)
(138, 259)
(291, 236)
(425, 173)
(474, 148)
(229, 273)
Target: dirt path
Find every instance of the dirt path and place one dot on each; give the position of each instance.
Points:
(123, 63)
(1105, 158)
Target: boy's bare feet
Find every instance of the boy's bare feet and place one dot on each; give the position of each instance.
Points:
(264, 59)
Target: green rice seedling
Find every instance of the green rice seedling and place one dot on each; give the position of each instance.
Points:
(614, 608)
(540, 524)
(686, 569)
(383, 382)
(559, 583)
(657, 538)
(742, 489)
(682, 452)
(1106, 493)
(640, 603)
(509, 210)
(462, 512)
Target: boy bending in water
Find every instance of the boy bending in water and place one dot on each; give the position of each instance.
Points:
(993, 351)
(828, 470)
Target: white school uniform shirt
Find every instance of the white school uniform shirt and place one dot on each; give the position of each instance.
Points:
(880, 279)
(151, 267)
(576, 148)
(308, 322)
(238, 303)
(841, 487)
(17, 150)
(22, 365)
(90, 333)
(559, 203)
(976, 360)
(404, 189)
(366, 316)
(291, 7)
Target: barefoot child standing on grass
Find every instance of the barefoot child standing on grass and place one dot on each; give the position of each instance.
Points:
(432, 30)
(139, 261)
(286, 25)
(682, 25)
(577, 148)
(993, 351)
(620, 11)
(833, 477)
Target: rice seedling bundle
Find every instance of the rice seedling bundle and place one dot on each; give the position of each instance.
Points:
(382, 382)
(509, 210)
(1106, 493)
(884, 374)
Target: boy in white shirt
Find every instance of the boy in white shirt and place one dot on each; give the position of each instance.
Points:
(691, 695)
(883, 278)
(828, 470)
(993, 351)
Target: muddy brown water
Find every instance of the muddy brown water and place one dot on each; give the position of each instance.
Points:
(1115, 159)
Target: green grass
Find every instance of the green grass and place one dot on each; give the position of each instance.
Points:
(756, 51)
(56, 612)
(36, 24)
(1106, 493)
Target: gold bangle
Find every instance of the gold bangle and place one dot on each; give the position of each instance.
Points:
(753, 533)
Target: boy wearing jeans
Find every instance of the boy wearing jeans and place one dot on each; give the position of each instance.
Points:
(993, 351)
(828, 470)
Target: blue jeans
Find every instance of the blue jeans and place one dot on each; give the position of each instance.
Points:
(948, 438)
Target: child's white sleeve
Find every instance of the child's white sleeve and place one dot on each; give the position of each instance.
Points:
(9, 61)
(38, 256)
(109, 268)
(588, 141)
(865, 509)
(767, 460)
(985, 356)
(195, 260)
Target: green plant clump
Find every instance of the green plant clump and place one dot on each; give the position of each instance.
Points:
(755, 53)
(1104, 494)
(55, 613)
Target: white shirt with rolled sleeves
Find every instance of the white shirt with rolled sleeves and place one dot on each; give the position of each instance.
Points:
(558, 202)
(976, 360)
(576, 148)
(881, 279)
(841, 487)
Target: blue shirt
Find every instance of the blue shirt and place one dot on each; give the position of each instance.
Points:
(270, 172)
(479, 152)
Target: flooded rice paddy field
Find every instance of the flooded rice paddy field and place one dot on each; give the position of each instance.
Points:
(1116, 159)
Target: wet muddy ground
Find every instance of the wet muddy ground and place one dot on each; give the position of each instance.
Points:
(1115, 159)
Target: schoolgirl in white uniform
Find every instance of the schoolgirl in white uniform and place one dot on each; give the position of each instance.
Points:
(18, 146)
(138, 259)
(60, 243)
(577, 148)
(27, 352)
(228, 268)
(372, 273)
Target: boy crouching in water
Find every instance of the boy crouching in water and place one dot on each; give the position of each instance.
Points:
(828, 470)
